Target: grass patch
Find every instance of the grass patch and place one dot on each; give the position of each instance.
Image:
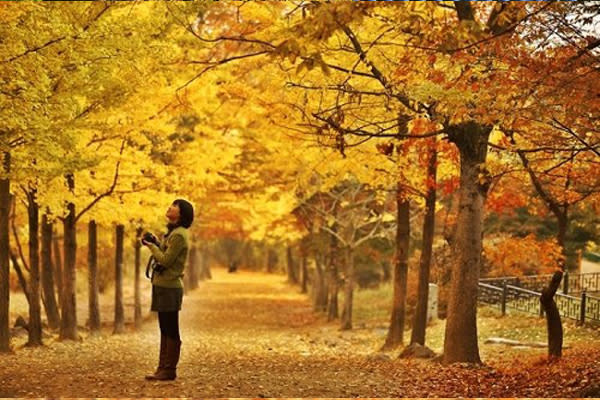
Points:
(372, 308)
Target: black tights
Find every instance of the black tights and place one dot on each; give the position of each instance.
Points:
(169, 324)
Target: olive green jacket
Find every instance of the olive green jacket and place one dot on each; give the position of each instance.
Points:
(171, 254)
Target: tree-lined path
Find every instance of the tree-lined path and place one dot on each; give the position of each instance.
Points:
(251, 335)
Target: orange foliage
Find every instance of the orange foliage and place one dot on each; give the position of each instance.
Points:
(514, 256)
(506, 201)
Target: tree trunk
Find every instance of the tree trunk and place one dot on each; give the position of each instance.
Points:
(58, 269)
(553, 321)
(332, 305)
(348, 289)
(93, 295)
(387, 273)
(395, 335)
(68, 322)
(48, 275)
(420, 317)
(559, 210)
(5, 201)
(20, 275)
(271, 261)
(193, 267)
(319, 287)
(304, 281)
(291, 268)
(460, 343)
(137, 295)
(205, 274)
(119, 312)
(561, 236)
(35, 308)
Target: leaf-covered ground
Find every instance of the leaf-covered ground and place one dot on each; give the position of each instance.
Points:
(251, 335)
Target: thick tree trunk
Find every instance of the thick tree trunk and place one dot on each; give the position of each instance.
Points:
(247, 258)
(35, 308)
(348, 289)
(460, 344)
(68, 322)
(553, 321)
(137, 294)
(395, 335)
(58, 269)
(5, 200)
(420, 317)
(48, 275)
(93, 291)
(119, 312)
(291, 267)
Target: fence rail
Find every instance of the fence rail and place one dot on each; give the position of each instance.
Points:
(571, 284)
(583, 308)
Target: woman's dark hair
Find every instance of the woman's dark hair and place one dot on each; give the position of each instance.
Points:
(186, 213)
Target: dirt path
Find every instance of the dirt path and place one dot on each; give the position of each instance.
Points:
(251, 335)
(243, 335)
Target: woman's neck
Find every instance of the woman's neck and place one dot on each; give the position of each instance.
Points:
(170, 227)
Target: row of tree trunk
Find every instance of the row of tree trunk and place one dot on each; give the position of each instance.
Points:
(326, 281)
(48, 278)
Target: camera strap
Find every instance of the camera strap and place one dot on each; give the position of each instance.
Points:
(149, 267)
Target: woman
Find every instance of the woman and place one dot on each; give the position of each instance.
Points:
(167, 285)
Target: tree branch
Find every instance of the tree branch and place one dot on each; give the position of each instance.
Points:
(375, 71)
(56, 40)
(15, 233)
(109, 191)
(568, 130)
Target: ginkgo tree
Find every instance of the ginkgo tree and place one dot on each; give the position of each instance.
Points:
(77, 96)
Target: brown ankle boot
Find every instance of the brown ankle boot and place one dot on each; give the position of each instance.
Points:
(168, 373)
(162, 358)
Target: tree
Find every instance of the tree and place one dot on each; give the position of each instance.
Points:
(49, 296)
(93, 297)
(4, 254)
(350, 214)
(396, 330)
(119, 312)
(420, 317)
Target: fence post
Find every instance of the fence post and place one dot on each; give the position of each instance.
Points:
(566, 282)
(583, 301)
(504, 293)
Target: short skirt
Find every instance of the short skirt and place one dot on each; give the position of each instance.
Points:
(166, 299)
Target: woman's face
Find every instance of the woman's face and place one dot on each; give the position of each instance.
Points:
(173, 213)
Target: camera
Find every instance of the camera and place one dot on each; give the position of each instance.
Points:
(150, 238)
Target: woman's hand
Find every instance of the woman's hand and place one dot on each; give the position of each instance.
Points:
(148, 238)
